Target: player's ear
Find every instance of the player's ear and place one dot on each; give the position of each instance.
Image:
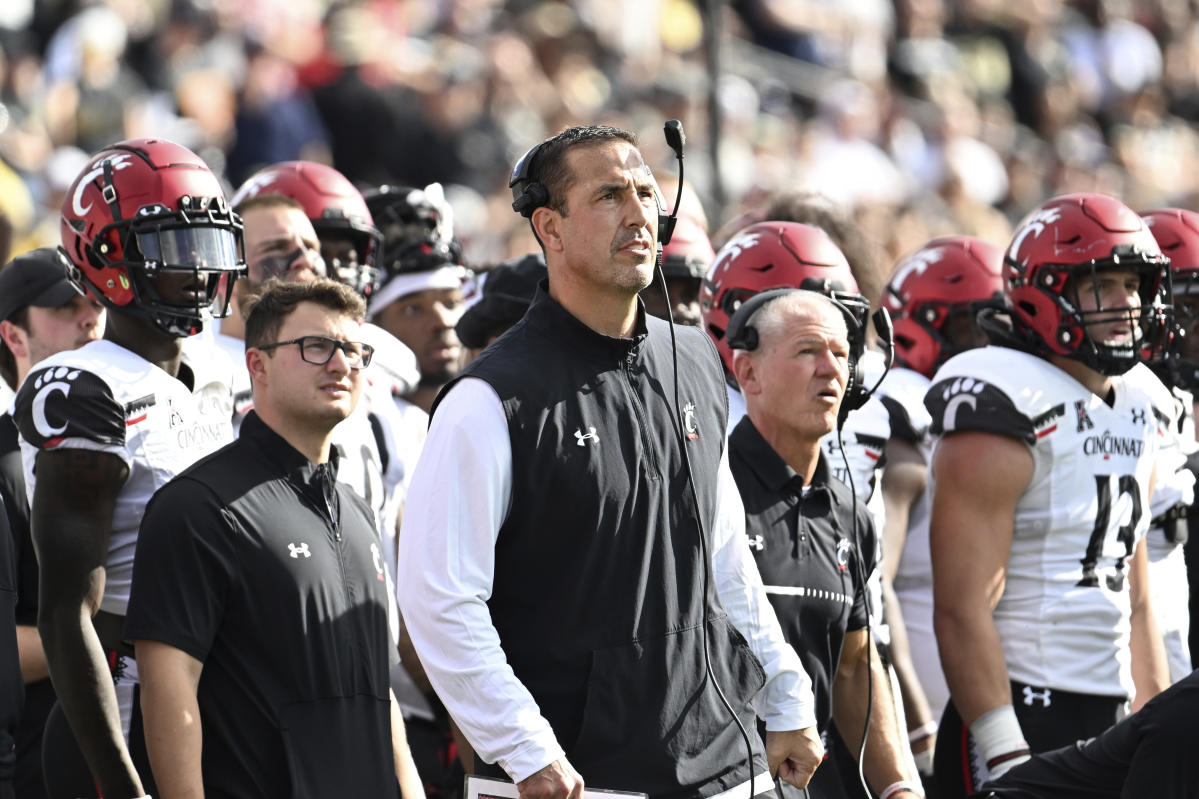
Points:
(15, 339)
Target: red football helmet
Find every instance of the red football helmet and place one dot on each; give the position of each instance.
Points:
(689, 252)
(150, 234)
(1177, 233)
(773, 255)
(1078, 236)
(948, 277)
(350, 242)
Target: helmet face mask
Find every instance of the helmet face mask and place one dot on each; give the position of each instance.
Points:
(1177, 232)
(150, 235)
(417, 229)
(1060, 254)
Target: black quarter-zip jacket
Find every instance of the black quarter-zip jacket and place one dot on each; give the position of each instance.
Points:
(261, 565)
(598, 582)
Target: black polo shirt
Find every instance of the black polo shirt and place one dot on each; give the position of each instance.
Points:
(259, 564)
(803, 541)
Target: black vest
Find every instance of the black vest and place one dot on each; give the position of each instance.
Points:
(599, 577)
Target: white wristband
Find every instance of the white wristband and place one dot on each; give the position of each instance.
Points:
(901, 786)
(997, 733)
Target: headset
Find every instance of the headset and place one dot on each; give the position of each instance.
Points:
(742, 335)
(529, 194)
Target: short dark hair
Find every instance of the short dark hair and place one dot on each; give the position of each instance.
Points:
(549, 168)
(267, 201)
(278, 299)
(8, 361)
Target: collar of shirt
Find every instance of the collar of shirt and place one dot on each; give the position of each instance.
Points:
(773, 471)
(547, 316)
(289, 460)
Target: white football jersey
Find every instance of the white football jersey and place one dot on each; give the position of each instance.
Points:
(902, 393)
(103, 397)
(1064, 615)
(1168, 586)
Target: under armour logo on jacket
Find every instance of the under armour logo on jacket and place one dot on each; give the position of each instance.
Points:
(1044, 697)
(757, 542)
(297, 551)
(582, 437)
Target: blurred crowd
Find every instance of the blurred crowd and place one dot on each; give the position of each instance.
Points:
(918, 117)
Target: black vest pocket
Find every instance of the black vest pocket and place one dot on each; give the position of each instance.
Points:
(652, 721)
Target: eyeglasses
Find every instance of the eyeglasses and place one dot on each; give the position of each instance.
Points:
(279, 265)
(318, 350)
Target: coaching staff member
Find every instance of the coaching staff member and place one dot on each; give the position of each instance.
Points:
(551, 568)
(259, 605)
(792, 358)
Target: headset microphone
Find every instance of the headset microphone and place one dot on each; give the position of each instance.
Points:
(675, 139)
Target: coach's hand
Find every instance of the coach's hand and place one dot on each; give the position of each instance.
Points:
(558, 780)
(794, 754)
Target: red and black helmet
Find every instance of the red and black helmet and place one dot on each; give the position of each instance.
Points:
(948, 277)
(773, 255)
(350, 242)
(146, 210)
(1076, 236)
(1177, 233)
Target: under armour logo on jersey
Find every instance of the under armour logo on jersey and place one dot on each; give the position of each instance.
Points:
(49, 382)
(1045, 697)
(757, 542)
(582, 437)
(1138, 415)
(963, 391)
(1084, 419)
(297, 551)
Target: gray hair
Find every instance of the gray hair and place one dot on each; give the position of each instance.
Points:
(771, 319)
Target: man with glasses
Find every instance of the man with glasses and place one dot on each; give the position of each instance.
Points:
(259, 609)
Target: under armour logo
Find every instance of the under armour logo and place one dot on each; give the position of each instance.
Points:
(1044, 697)
(757, 542)
(582, 437)
(1084, 420)
(297, 551)
(1138, 415)
(376, 559)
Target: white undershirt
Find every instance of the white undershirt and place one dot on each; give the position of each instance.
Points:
(457, 502)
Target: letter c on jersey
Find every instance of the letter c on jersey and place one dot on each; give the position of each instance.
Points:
(39, 408)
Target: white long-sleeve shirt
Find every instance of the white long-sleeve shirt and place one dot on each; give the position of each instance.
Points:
(457, 502)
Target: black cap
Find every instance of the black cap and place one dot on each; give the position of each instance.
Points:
(507, 292)
(39, 277)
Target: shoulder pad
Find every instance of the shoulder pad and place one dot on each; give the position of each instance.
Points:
(967, 403)
(60, 402)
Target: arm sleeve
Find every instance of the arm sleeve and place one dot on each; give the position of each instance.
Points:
(63, 408)
(185, 562)
(459, 497)
(786, 701)
(969, 404)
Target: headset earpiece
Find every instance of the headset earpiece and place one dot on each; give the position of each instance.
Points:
(527, 195)
(744, 336)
